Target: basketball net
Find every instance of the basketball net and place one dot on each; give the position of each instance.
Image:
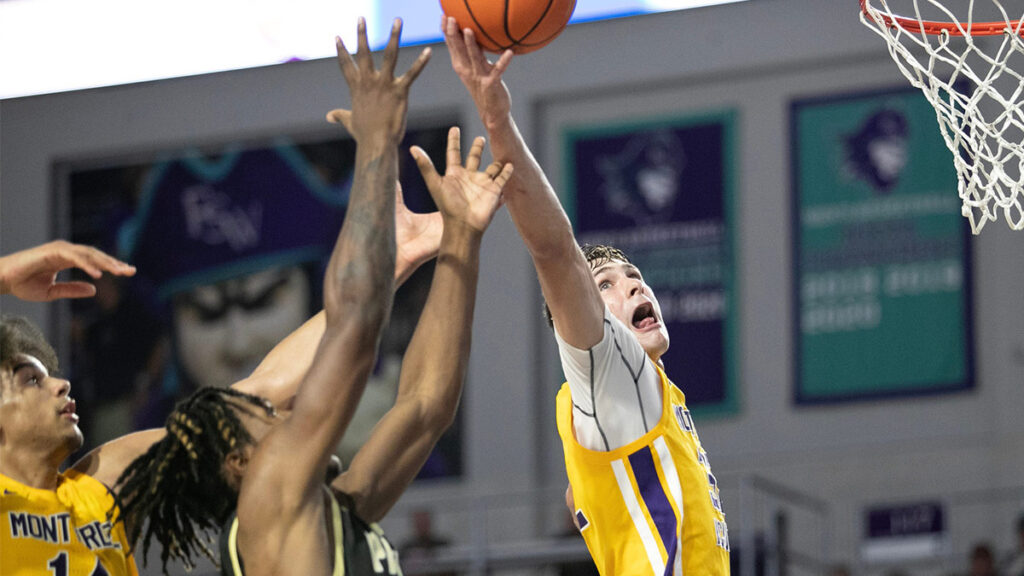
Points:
(977, 95)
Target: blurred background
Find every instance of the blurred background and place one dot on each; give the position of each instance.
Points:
(853, 357)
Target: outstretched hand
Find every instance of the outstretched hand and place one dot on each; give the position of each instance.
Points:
(379, 99)
(465, 194)
(481, 77)
(417, 236)
(32, 274)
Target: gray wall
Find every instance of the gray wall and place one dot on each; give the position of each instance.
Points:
(754, 56)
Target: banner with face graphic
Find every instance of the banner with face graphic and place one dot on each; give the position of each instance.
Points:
(231, 243)
(662, 191)
(880, 251)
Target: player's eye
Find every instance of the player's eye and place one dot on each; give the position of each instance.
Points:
(604, 285)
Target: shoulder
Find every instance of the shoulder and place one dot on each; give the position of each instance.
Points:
(617, 341)
(564, 395)
(82, 484)
(6, 484)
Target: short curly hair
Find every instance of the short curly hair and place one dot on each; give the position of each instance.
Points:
(20, 336)
(596, 255)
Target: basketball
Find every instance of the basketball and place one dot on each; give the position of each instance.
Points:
(520, 25)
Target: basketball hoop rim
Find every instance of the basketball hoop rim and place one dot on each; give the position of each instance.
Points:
(937, 28)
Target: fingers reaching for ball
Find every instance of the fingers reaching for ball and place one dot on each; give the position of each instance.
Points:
(466, 196)
(521, 25)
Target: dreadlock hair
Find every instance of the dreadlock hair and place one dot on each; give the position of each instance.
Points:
(178, 485)
(596, 255)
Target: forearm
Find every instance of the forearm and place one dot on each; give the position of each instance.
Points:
(363, 262)
(564, 275)
(357, 300)
(357, 289)
(8, 274)
(107, 462)
(531, 201)
(440, 344)
(5, 287)
(388, 462)
(278, 376)
(432, 376)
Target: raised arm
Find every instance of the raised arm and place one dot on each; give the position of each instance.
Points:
(32, 274)
(278, 376)
(417, 238)
(434, 366)
(565, 278)
(358, 289)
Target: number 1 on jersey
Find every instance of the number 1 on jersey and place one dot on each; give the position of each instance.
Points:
(59, 566)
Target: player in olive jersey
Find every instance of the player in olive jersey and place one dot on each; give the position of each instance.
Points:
(227, 449)
(59, 523)
(645, 499)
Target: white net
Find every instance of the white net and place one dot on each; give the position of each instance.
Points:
(974, 84)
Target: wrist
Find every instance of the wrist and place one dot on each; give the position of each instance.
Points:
(459, 233)
(5, 287)
(496, 122)
(414, 258)
(406, 265)
(377, 141)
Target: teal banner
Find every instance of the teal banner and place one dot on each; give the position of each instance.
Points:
(882, 263)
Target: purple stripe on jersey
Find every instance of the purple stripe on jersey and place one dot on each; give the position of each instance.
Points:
(653, 495)
(581, 519)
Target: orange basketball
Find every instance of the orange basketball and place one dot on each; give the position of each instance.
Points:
(522, 25)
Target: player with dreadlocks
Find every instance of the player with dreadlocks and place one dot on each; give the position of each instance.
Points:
(225, 448)
(159, 485)
(52, 520)
(58, 522)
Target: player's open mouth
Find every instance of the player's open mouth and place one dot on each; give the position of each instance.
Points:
(68, 411)
(643, 316)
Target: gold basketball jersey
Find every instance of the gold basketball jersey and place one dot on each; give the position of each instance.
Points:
(62, 533)
(651, 507)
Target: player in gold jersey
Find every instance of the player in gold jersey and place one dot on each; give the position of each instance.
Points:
(60, 532)
(50, 523)
(640, 483)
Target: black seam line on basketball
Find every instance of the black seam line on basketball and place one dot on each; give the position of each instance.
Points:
(545, 40)
(480, 27)
(636, 377)
(582, 411)
(508, 32)
(593, 402)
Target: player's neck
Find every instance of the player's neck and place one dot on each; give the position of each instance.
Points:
(31, 469)
(656, 359)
